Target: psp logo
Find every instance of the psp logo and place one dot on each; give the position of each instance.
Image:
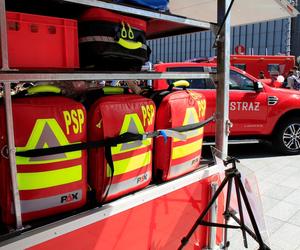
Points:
(69, 198)
(142, 178)
(195, 161)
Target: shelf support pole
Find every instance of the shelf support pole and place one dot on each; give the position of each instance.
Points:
(12, 154)
(3, 37)
(223, 59)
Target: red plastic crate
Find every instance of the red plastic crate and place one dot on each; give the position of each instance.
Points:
(39, 42)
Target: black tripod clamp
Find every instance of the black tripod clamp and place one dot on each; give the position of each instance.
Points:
(230, 160)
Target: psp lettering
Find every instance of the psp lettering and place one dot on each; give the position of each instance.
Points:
(69, 198)
(74, 120)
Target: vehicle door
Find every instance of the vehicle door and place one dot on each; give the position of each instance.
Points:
(203, 86)
(248, 107)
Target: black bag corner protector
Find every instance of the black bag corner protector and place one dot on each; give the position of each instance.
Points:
(110, 162)
(109, 142)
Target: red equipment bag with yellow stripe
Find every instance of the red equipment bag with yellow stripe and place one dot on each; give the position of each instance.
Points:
(174, 157)
(109, 117)
(51, 184)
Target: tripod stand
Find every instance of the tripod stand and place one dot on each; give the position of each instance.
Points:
(231, 174)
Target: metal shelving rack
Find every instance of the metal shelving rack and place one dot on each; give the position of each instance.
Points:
(166, 25)
(7, 75)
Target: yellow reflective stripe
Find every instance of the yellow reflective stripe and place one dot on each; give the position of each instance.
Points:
(191, 134)
(194, 133)
(184, 150)
(26, 160)
(118, 149)
(46, 179)
(130, 164)
(129, 44)
(34, 138)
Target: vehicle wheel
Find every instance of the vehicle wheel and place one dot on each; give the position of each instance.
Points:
(286, 138)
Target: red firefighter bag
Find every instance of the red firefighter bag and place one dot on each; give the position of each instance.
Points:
(109, 117)
(175, 157)
(50, 184)
(111, 41)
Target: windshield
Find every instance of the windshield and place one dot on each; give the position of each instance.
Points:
(195, 83)
(238, 81)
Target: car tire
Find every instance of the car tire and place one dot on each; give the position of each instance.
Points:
(286, 138)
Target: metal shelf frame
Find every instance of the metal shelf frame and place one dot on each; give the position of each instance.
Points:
(13, 77)
(7, 76)
(143, 13)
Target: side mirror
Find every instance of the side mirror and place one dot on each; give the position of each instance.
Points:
(258, 86)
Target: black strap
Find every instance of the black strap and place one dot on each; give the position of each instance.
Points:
(123, 138)
(193, 126)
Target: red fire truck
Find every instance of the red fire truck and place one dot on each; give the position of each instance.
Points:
(257, 111)
(270, 65)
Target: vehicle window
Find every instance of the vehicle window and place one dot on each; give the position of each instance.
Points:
(194, 83)
(240, 66)
(273, 68)
(240, 81)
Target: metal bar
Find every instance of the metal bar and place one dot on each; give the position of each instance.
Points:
(142, 12)
(177, 48)
(246, 38)
(212, 240)
(157, 50)
(259, 38)
(190, 36)
(282, 42)
(183, 47)
(233, 40)
(274, 33)
(3, 37)
(12, 154)
(58, 228)
(223, 57)
(252, 41)
(233, 142)
(211, 43)
(240, 32)
(100, 76)
(161, 44)
(202, 48)
(288, 38)
(197, 44)
(205, 41)
(266, 40)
